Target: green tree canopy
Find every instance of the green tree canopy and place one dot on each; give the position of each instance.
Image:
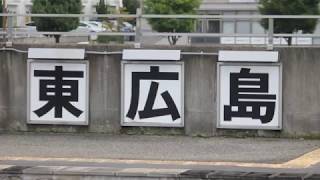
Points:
(290, 7)
(56, 7)
(172, 7)
(102, 7)
(131, 6)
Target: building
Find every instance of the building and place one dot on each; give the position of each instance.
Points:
(25, 6)
(237, 26)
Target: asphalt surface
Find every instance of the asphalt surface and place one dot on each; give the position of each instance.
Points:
(33, 155)
(257, 150)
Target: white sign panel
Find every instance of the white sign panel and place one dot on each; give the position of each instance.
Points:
(249, 96)
(58, 92)
(55, 53)
(249, 56)
(150, 54)
(152, 94)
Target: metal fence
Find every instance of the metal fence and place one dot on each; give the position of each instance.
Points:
(10, 31)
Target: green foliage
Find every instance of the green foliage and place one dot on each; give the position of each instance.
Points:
(56, 7)
(102, 8)
(172, 7)
(290, 7)
(131, 6)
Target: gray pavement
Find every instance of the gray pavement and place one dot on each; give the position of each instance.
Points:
(33, 156)
(258, 150)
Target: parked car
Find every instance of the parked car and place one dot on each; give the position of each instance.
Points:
(82, 28)
(94, 26)
(127, 27)
(31, 26)
(96, 23)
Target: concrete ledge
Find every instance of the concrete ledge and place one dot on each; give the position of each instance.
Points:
(45, 170)
(97, 171)
(25, 172)
(151, 172)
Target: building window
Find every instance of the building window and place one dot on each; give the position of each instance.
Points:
(200, 26)
(228, 27)
(213, 26)
(243, 27)
(257, 28)
(12, 9)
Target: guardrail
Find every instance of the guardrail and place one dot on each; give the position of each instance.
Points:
(10, 32)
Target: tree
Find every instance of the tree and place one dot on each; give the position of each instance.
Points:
(172, 7)
(102, 7)
(131, 6)
(56, 24)
(290, 7)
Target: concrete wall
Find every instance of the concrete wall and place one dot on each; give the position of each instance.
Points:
(301, 99)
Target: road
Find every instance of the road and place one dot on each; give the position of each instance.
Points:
(123, 152)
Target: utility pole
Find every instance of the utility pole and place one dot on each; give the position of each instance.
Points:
(141, 5)
(138, 25)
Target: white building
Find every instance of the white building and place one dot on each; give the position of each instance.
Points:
(237, 26)
(230, 26)
(25, 6)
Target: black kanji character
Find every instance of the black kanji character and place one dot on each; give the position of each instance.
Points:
(58, 92)
(249, 91)
(148, 110)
